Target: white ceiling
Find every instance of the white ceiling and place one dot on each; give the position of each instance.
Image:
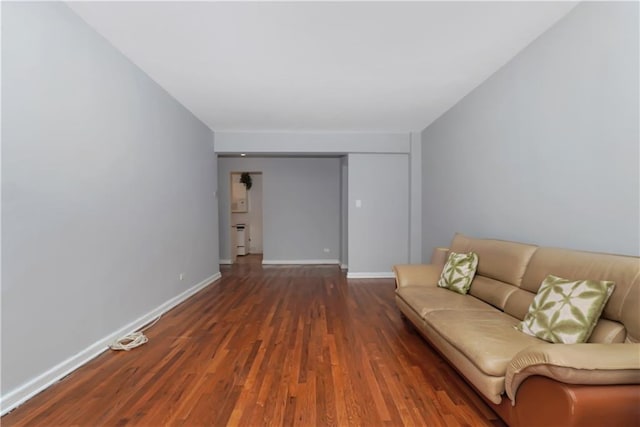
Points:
(320, 66)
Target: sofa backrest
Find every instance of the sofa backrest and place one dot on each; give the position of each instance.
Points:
(501, 267)
(509, 275)
(620, 320)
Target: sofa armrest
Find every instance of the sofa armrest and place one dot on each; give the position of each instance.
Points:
(575, 364)
(439, 256)
(417, 274)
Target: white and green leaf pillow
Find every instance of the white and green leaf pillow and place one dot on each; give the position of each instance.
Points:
(458, 272)
(566, 311)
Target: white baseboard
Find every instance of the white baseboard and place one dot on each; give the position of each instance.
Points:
(225, 262)
(299, 261)
(344, 267)
(29, 389)
(375, 275)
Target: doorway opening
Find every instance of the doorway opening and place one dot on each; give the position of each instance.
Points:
(246, 217)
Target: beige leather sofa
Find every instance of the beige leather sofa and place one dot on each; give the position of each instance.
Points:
(528, 381)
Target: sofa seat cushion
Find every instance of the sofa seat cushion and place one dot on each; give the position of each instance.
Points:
(425, 299)
(487, 338)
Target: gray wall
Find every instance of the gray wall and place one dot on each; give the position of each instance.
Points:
(379, 228)
(344, 211)
(107, 191)
(547, 150)
(300, 205)
(415, 184)
(311, 143)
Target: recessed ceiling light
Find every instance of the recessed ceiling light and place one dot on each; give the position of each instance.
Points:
(242, 155)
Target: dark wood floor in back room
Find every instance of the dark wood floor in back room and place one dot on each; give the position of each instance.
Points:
(281, 346)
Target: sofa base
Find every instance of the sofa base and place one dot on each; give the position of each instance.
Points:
(542, 401)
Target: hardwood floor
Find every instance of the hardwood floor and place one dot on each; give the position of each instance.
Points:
(280, 345)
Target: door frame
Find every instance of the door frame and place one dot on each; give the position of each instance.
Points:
(233, 234)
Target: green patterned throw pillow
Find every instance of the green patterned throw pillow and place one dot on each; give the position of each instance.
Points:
(458, 272)
(566, 311)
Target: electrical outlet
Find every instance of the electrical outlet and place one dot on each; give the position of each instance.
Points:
(180, 276)
(326, 250)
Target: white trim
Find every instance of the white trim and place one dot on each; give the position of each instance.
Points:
(376, 275)
(225, 262)
(299, 261)
(344, 267)
(29, 389)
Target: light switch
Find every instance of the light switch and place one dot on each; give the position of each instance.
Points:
(358, 203)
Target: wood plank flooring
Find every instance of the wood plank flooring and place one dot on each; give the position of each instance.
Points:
(281, 346)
